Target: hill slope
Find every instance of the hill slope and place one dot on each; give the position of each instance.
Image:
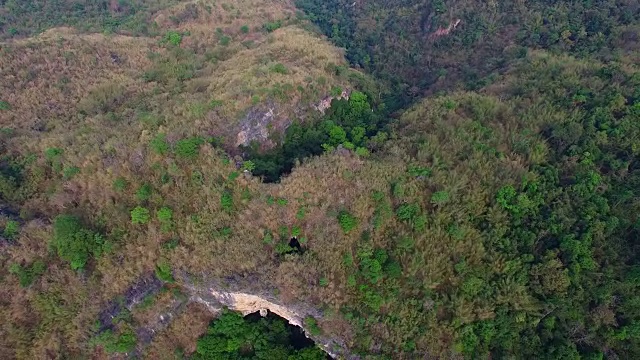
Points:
(500, 222)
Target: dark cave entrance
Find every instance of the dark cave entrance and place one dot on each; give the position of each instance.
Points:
(295, 335)
(295, 244)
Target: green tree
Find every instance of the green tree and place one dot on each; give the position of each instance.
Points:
(230, 336)
(337, 135)
(73, 242)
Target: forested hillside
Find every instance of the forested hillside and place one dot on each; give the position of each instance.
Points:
(462, 181)
(420, 46)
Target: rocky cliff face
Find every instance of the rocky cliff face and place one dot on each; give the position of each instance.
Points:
(325, 103)
(215, 299)
(262, 121)
(258, 124)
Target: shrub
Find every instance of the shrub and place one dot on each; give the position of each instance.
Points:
(283, 248)
(215, 103)
(347, 221)
(52, 154)
(225, 40)
(197, 178)
(311, 324)
(140, 215)
(159, 144)
(248, 165)
(103, 99)
(361, 151)
(393, 269)
(268, 237)
(144, 192)
(407, 212)
(120, 184)
(26, 275)
(147, 302)
(124, 342)
(6, 131)
(301, 213)
(163, 271)
(226, 200)
(244, 29)
(70, 172)
(419, 171)
(172, 37)
(11, 229)
(420, 223)
(73, 242)
(450, 104)
(4, 105)
(197, 109)
(273, 26)
(165, 217)
(371, 269)
(189, 148)
(279, 69)
(171, 244)
(439, 197)
(165, 178)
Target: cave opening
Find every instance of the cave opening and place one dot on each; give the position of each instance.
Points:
(295, 244)
(295, 335)
(258, 335)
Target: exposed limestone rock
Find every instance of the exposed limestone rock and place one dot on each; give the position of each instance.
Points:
(247, 304)
(216, 300)
(254, 127)
(325, 103)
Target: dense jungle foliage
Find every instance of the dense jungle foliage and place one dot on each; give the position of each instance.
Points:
(475, 195)
(350, 124)
(232, 337)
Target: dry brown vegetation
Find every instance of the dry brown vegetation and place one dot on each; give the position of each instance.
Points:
(91, 96)
(405, 251)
